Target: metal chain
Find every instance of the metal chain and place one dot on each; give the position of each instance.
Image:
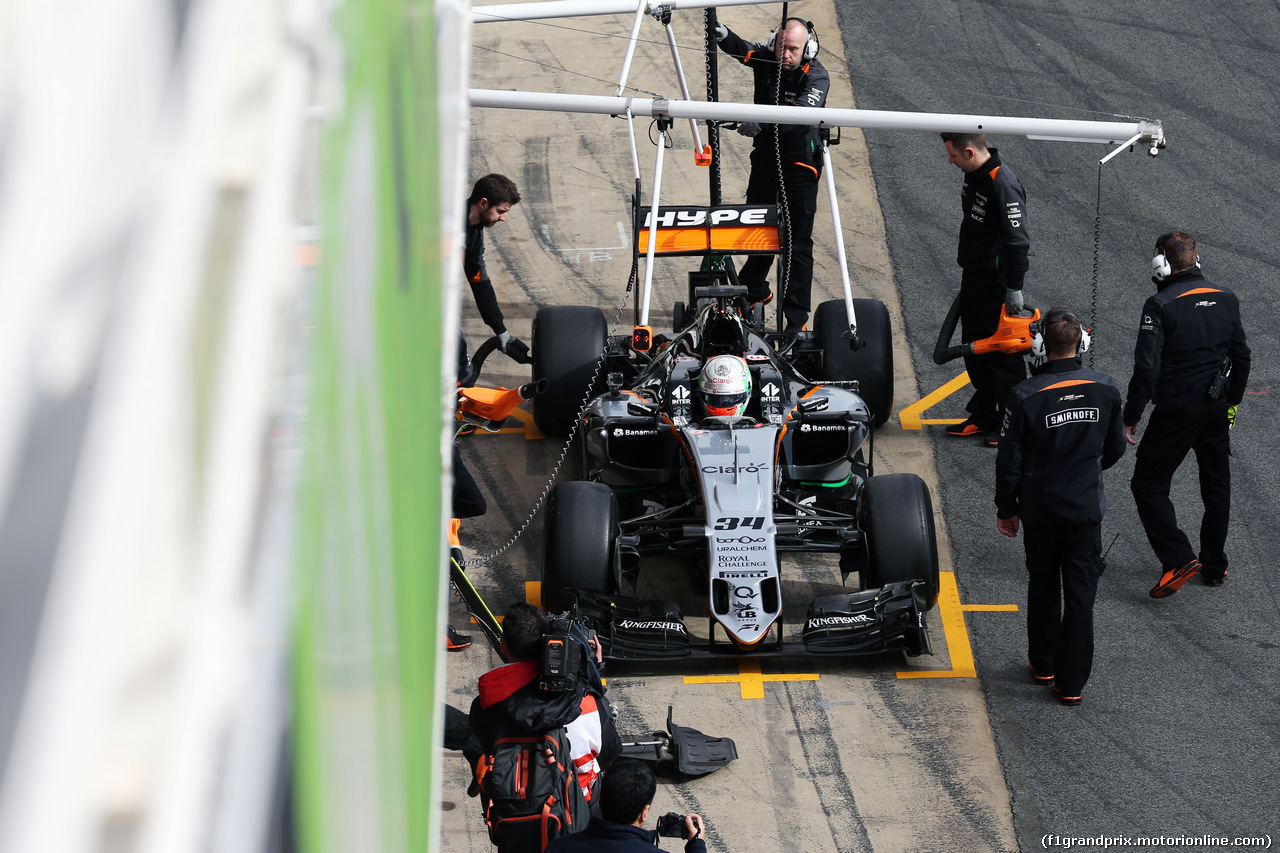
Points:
(573, 431)
(784, 208)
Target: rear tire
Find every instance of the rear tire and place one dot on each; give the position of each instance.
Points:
(902, 544)
(872, 365)
(568, 342)
(579, 543)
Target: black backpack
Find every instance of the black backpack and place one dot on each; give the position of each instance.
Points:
(531, 791)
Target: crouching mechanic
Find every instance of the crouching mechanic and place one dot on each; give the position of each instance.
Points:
(510, 700)
(626, 797)
(1062, 429)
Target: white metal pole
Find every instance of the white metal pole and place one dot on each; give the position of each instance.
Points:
(653, 228)
(631, 47)
(1122, 146)
(587, 8)
(1065, 130)
(631, 137)
(684, 89)
(840, 255)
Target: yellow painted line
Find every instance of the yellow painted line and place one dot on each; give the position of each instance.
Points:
(749, 678)
(951, 612)
(530, 430)
(952, 615)
(910, 417)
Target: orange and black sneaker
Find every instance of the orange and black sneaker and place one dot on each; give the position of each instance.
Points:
(1067, 700)
(1213, 580)
(1173, 579)
(455, 642)
(1038, 678)
(752, 302)
(968, 427)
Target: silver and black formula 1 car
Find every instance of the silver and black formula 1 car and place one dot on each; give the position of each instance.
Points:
(670, 467)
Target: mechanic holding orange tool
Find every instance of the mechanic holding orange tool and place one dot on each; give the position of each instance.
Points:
(1062, 429)
(992, 253)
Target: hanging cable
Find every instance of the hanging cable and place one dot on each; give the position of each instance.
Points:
(1093, 285)
(784, 209)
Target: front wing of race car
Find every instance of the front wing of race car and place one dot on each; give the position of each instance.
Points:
(873, 621)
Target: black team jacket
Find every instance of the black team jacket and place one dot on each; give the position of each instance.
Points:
(993, 234)
(1062, 429)
(1188, 327)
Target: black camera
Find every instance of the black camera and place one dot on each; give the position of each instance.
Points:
(567, 656)
(671, 825)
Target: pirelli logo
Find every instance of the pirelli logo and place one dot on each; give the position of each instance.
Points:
(729, 229)
(1071, 416)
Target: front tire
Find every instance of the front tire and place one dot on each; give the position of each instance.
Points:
(872, 365)
(579, 543)
(902, 544)
(568, 343)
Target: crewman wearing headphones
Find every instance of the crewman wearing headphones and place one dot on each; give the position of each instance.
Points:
(1062, 428)
(1191, 360)
(786, 160)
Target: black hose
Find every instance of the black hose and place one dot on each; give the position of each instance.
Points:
(942, 350)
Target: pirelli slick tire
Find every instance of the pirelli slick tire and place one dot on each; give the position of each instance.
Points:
(568, 341)
(872, 365)
(580, 542)
(902, 545)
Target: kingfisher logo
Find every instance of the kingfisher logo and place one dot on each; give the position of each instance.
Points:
(839, 621)
(675, 627)
(1071, 416)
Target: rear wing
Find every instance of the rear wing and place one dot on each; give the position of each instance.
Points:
(733, 229)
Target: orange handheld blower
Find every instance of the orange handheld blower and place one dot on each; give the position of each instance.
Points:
(1012, 335)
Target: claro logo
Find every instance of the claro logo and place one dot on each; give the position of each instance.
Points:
(747, 468)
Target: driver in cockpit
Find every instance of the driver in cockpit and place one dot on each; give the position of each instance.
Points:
(725, 386)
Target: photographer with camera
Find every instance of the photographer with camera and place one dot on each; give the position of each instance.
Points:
(626, 797)
(541, 721)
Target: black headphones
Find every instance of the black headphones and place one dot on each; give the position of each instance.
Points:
(1039, 351)
(1160, 268)
(810, 46)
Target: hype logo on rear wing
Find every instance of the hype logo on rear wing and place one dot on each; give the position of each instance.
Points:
(735, 229)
